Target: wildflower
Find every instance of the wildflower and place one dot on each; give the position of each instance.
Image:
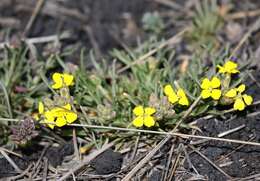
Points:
(40, 107)
(143, 116)
(211, 88)
(62, 80)
(241, 100)
(57, 116)
(178, 96)
(229, 67)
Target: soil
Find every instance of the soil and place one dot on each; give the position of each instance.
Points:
(240, 161)
(107, 21)
(108, 162)
(55, 156)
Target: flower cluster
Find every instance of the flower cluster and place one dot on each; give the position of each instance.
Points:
(59, 111)
(217, 88)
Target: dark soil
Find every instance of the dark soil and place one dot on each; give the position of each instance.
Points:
(107, 21)
(236, 160)
(55, 156)
(108, 162)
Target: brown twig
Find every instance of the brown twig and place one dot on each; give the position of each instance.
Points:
(33, 17)
(17, 169)
(208, 160)
(252, 28)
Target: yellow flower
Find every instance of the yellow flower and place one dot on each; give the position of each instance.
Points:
(178, 96)
(143, 116)
(62, 80)
(211, 88)
(64, 115)
(40, 107)
(57, 116)
(241, 100)
(229, 67)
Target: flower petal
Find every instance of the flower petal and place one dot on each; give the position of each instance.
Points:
(149, 121)
(49, 116)
(67, 107)
(138, 122)
(205, 83)
(239, 104)
(61, 121)
(149, 111)
(248, 99)
(221, 69)
(168, 90)
(231, 93)
(57, 79)
(40, 107)
(68, 79)
(241, 88)
(71, 116)
(205, 94)
(215, 94)
(52, 125)
(215, 82)
(138, 111)
(183, 100)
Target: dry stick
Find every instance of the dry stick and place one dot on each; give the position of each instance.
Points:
(231, 130)
(208, 160)
(243, 14)
(254, 27)
(176, 161)
(170, 41)
(157, 147)
(25, 172)
(33, 17)
(75, 144)
(43, 39)
(87, 160)
(17, 169)
(168, 163)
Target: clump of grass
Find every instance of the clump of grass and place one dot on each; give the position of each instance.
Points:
(206, 23)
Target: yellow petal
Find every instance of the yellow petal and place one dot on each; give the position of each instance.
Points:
(67, 107)
(49, 116)
(205, 94)
(239, 104)
(60, 122)
(205, 83)
(221, 69)
(149, 111)
(149, 121)
(52, 125)
(173, 98)
(230, 65)
(183, 98)
(138, 122)
(215, 82)
(231, 93)
(241, 88)
(57, 79)
(68, 79)
(71, 117)
(168, 90)
(41, 107)
(138, 111)
(248, 99)
(215, 94)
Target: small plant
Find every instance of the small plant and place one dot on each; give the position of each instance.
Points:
(153, 23)
(206, 22)
(58, 112)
